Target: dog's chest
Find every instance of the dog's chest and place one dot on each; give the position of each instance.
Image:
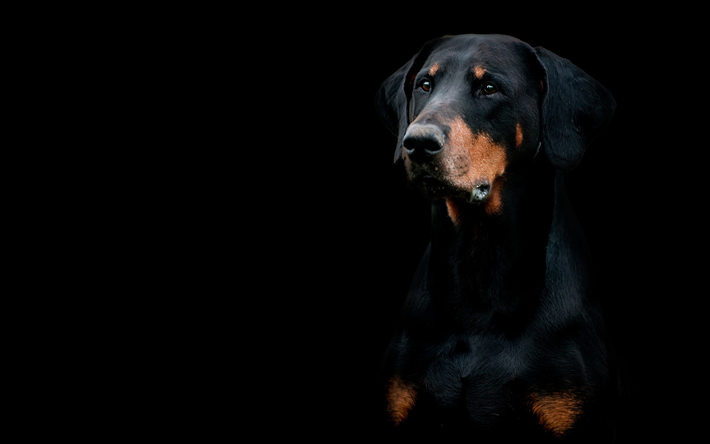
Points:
(476, 375)
(465, 366)
(479, 383)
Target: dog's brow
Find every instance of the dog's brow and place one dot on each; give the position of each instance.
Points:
(433, 69)
(479, 71)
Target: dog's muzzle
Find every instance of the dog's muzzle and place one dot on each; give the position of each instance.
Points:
(422, 142)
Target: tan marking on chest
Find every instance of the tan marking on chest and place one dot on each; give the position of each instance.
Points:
(400, 399)
(556, 412)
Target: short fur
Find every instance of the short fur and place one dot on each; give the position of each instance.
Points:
(501, 339)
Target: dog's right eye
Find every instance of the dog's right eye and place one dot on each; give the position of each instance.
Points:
(489, 88)
(425, 85)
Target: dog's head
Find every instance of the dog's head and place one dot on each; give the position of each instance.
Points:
(467, 108)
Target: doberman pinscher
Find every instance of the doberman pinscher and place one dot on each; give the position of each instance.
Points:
(501, 339)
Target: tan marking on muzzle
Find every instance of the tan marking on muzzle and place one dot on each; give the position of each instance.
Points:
(473, 159)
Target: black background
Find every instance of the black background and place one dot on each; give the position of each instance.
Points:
(245, 241)
(319, 237)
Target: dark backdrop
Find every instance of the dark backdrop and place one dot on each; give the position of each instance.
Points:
(335, 235)
(369, 231)
(257, 241)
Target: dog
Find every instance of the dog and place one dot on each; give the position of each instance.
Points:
(501, 338)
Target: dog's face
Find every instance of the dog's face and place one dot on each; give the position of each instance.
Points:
(467, 109)
(473, 109)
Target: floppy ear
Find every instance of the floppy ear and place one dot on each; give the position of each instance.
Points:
(574, 110)
(391, 104)
(392, 99)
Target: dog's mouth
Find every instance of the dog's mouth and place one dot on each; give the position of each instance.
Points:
(434, 188)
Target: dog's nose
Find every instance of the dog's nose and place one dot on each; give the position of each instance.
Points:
(422, 142)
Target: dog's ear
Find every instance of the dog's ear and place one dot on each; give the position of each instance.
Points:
(392, 99)
(575, 108)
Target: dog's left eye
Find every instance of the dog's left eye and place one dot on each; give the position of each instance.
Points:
(425, 85)
(489, 88)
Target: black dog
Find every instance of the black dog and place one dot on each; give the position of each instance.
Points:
(500, 338)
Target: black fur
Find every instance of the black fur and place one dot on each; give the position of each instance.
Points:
(500, 332)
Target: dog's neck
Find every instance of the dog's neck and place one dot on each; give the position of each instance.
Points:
(493, 262)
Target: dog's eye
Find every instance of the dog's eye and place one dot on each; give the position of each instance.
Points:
(425, 85)
(489, 88)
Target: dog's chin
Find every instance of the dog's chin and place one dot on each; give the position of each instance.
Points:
(433, 188)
